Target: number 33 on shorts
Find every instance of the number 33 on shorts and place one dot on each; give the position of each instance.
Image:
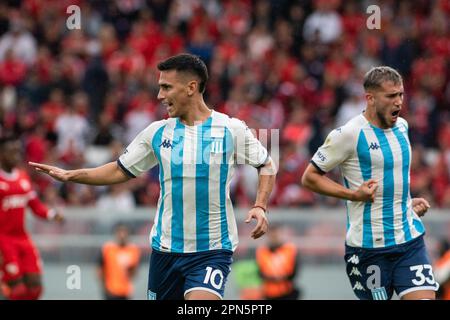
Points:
(423, 274)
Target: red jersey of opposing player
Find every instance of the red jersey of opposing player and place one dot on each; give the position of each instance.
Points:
(19, 254)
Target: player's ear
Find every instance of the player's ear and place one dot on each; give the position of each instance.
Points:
(370, 98)
(192, 87)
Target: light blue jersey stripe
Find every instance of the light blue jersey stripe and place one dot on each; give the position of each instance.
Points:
(176, 170)
(202, 185)
(405, 172)
(157, 140)
(227, 151)
(346, 206)
(419, 226)
(365, 164)
(388, 188)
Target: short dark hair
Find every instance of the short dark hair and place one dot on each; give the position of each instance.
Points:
(377, 75)
(7, 138)
(121, 225)
(187, 63)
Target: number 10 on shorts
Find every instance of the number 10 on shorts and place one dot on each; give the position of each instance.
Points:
(211, 277)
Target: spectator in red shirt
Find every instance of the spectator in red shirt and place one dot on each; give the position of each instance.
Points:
(12, 70)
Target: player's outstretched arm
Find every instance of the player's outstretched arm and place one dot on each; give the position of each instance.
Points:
(316, 181)
(109, 173)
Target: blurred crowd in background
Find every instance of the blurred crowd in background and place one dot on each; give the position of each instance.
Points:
(78, 97)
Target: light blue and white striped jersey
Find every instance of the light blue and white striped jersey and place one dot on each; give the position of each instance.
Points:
(363, 151)
(196, 163)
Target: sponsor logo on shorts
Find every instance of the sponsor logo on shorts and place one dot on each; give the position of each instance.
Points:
(379, 294)
(151, 295)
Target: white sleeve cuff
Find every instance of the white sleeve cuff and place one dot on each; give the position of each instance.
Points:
(51, 214)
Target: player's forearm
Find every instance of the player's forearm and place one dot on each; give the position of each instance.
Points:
(132, 272)
(265, 187)
(38, 208)
(324, 185)
(109, 173)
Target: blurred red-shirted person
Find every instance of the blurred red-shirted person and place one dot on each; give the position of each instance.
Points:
(21, 265)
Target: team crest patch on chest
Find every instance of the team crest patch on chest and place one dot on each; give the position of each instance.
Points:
(24, 184)
(217, 145)
(4, 186)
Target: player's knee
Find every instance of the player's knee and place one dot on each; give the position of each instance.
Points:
(202, 295)
(34, 293)
(33, 280)
(420, 295)
(16, 291)
(34, 286)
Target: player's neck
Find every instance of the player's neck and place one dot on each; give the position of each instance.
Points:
(196, 114)
(7, 169)
(373, 119)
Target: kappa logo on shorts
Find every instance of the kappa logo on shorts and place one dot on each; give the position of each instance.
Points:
(353, 259)
(151, 295)
(358, 286)
(355, 272)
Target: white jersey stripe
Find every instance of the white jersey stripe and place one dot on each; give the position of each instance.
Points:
(203, 181)
(365, 163)
(226, 208)
(164, 206)
(189, 188)
(215, 156)
(166, 154)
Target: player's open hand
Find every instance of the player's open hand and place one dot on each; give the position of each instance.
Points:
(366, 192)
(261, 222)
(420, 206)
(59, 218)
(54, 172)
